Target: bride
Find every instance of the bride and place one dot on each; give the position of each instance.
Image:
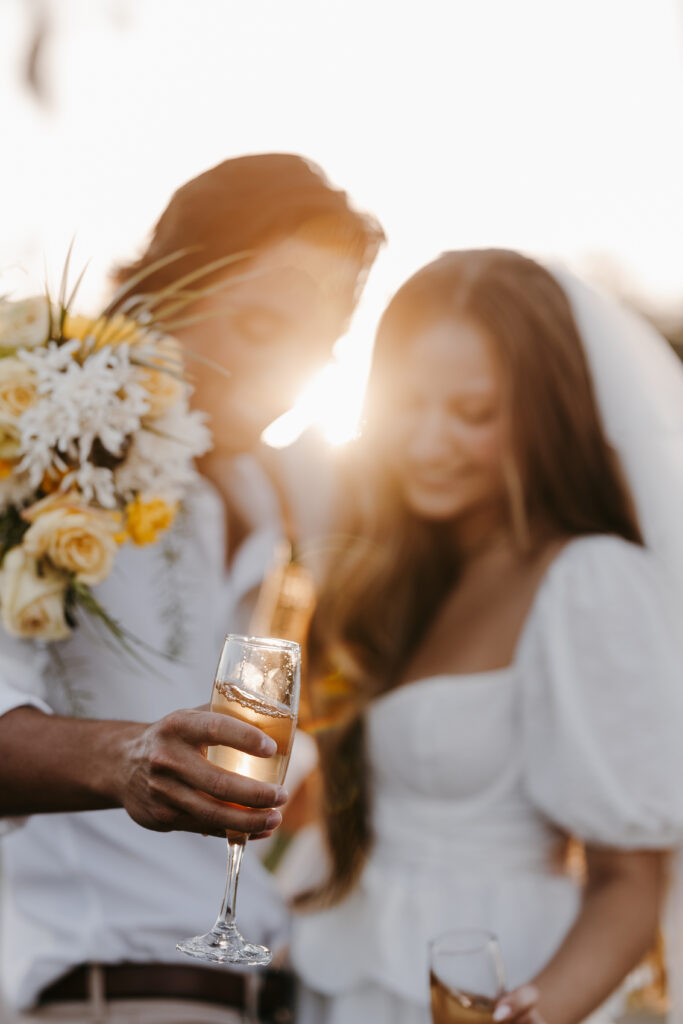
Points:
(503, 624)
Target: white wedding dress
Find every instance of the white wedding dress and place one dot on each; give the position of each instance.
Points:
(476, 780)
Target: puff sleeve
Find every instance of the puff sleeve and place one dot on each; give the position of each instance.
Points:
(602, 711)
(22, 682)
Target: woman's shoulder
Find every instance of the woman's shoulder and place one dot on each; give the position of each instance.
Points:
(603, 551)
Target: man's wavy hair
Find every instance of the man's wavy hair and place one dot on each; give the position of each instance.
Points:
(243, 205)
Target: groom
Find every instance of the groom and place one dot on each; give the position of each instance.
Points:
(95, 896)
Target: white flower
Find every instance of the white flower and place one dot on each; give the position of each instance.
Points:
(78, 403)
(31, 601)
(24, 324)
(187, 429)
(93, 482)
(160, 461)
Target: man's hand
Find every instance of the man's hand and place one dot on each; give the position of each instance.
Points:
(158, 772)
(166, 782)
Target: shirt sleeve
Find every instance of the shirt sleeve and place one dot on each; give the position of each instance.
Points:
(602, 669)
(22, 683)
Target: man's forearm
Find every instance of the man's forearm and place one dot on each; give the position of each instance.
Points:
(156, 771)
(51, 763)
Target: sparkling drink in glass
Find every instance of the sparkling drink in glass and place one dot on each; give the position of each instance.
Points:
(466, 977)
(257, 681)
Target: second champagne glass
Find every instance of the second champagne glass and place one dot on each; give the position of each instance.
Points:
(257, 681)
(466, 977)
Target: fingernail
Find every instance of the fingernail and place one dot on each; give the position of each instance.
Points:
(281, 798)
(502, 1012)
(268, 746)
(273, 819)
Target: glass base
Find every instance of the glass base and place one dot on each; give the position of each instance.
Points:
(225, 946)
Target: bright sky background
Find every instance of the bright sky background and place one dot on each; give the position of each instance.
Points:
(554, 127)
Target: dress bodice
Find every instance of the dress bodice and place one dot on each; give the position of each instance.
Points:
(445, 738)
(445, 755)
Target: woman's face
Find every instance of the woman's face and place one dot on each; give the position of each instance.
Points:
(449, 431)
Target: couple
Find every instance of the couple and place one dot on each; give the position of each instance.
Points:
(499, 624)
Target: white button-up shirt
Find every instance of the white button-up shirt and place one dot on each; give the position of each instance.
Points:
(94, 886)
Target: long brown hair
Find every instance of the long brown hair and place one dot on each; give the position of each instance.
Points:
(390, 576)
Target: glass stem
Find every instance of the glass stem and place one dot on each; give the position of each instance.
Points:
(226, 918)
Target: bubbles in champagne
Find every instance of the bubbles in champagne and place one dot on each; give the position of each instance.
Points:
(274, 719)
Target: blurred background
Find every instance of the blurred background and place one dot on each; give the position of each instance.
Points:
(549, 127)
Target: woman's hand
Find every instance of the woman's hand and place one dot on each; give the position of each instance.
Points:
(519, 1006)
(166, 783)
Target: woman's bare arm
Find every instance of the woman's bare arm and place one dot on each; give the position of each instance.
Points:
(615, 928)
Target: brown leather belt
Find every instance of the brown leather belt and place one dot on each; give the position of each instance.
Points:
(266, 995)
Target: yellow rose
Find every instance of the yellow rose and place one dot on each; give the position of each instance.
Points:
(145, 520)
(24, 324)
(31, 602)
(17, 387)
(78, 540)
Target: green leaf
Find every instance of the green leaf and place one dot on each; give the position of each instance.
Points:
(176, 287)
(128, 285)
(74, 290)
(12, 530)
(65, 275)
(79, 594)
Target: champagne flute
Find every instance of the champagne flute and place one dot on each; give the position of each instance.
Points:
(466, 977)
(257, 681)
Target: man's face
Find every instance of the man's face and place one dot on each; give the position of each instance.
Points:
(271, 326)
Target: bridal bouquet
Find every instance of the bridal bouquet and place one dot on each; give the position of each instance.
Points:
(97, 443)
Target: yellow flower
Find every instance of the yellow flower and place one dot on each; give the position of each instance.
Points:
(52, 479)
(105, 331)
(78, 540)
(78, 327)
(32, 600)
(145, 520)
(17, 387)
